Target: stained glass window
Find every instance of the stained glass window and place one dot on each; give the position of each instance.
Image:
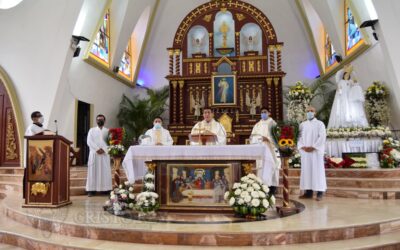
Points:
(101, 45)
(125, 67)
(353, 34)
(330, 53)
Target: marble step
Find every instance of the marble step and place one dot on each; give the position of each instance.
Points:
(355, 173)
(11, 177)
(13, 186)
(75, 182)
(354, 193)
(372, 183)
(81, 190)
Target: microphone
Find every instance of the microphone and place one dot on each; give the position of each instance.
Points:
(55, 121)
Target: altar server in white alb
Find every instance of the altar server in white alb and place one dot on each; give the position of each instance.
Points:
(209, 124)
(159, 135)
(311, 145)
(262, 129)
(99, 168)
(37, 126)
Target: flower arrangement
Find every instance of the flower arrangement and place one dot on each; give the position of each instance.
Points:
(115, 138)
(299, 98)
(121, 198)
(249, 197)
(147, 201)
(334, 162)
(376, 104)
(389, 156)
(285, 135)
(379, 131)
(295, 160)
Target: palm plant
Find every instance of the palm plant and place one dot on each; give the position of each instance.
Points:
(136, 115)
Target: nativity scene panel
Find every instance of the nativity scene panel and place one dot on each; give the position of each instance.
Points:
(225, 55)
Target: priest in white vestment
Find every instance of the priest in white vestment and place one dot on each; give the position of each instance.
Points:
(99, 169)
(158, 134)
(210, 126)
(262, 131)
(311, 145)
(37, 126)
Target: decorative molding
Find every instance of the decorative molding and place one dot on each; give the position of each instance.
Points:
(10, 142)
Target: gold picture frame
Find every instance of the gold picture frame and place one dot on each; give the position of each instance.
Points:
(40, 160)
(223, 90)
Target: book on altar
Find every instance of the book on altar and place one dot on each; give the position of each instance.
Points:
(203, 137)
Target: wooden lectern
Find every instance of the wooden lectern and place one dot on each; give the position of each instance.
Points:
(203, 139)
(46, 181)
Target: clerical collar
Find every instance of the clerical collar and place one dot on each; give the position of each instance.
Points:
(38, 124)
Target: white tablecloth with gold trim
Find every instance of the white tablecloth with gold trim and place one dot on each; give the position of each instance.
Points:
(335, 147)
(133, 163)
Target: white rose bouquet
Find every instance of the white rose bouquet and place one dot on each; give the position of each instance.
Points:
(121, 198)
(249, 197)
(147, 200)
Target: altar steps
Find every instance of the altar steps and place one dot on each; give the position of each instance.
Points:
(354, 183)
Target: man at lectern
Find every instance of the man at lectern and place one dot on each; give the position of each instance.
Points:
(159, 135)
(37, 126)
(210, 126)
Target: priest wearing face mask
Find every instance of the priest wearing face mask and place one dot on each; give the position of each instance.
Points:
(263, 129)
(36, 128)
(99, 170)
(311, 145)
(210, 126)
(159, 135)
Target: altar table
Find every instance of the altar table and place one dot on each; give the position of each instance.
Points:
(335, 147)
(133, 163)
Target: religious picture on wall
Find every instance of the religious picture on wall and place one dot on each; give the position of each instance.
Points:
(40, 160)
(353, 33)
(198, 184)
(223, 90)
(101, 43)
(125, 67)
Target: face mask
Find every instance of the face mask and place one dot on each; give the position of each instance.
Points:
(41, 120)
(100, 123)
(310, 115)
(264, 116)
(157, 125)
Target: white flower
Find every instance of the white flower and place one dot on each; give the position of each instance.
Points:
(232, 201)
(252, 176)
(255, 202)
(250, 189)
(112, 193)
(236, 185)
(149, 176)
(254, 194)
(290, 161)
(265, 203)
(124, 196)
(245, 178)
(130, 205)
(122, 191)
(247, 198)
(149, 185)
(131, 196)
(272, 199)
(256, 186)
(238, 191)
(250, 181)
(112, 197)
(262, 194)
(240, 201)
(226, 195)
(131, 189)
(117, 207)
(265, 188)
(108, 203)
(244, 194)
(243, 186)
(120, 186)
(126, 183)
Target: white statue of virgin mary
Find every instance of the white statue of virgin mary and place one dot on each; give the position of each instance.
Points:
(348, 106)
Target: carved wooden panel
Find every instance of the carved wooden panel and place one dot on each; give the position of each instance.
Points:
(9, 144)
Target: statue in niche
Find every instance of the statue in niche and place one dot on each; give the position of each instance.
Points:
(252, 42)
(197, 104)
(198, 44)
(253, 103)
(224, 29)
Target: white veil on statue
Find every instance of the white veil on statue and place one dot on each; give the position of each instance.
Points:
(348, 106)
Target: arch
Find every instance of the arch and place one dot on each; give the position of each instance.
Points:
(251, 36)
(19, 122)
(7, 4)
(209, 9)
(197, 41)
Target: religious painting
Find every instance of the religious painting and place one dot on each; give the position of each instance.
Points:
(330, 53)
(223, 90)
(125, 67)
(353, 33)
(198, 185)
(40, 160)
(101, 44)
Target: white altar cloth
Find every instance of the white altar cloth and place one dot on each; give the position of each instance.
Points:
(335, 147)
(133, 163)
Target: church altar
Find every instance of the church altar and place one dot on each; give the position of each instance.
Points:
(195, 178)
(133, 163)
(335, 147)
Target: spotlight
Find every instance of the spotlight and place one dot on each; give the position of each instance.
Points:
(116, 69)
(74, 44)
(338, 58)
(371, 23)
